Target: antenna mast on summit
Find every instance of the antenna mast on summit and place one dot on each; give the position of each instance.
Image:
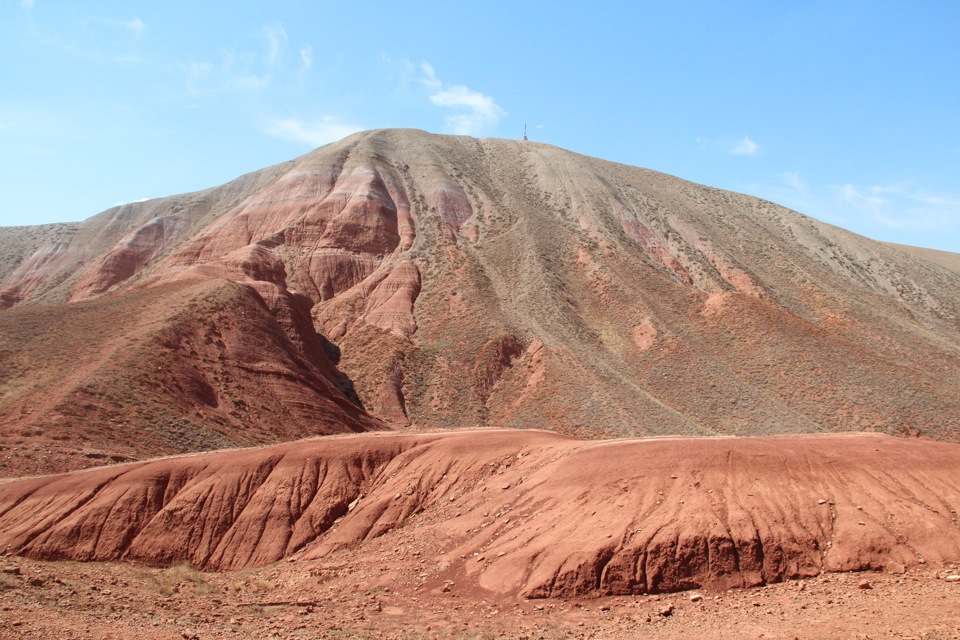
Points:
(524, 131)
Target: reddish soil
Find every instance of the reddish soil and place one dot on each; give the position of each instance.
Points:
(351, 596)
(463, 534)
(518, 513)
(189, 365)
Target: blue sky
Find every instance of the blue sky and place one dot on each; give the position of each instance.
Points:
(848, 111)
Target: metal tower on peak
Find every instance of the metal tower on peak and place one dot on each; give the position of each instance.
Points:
(524, 131)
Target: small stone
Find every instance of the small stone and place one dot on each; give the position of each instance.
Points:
(864, 584)
(821, 501)
(953, 578)
(667, 611)
(895, 567)
(695, 597)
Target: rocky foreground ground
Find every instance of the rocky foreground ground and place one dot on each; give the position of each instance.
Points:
(383, 595)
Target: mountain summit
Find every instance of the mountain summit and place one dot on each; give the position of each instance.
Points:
(415, 280)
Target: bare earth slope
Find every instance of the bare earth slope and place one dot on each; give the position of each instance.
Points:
(189, 365)
(460, 282)
(518, 513)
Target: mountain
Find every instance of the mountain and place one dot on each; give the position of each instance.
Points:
(398, 278)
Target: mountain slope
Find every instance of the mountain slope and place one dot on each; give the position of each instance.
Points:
(462, 282)
(185, 366)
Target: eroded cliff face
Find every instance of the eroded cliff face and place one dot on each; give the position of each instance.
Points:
(518, 513)
(464, 282)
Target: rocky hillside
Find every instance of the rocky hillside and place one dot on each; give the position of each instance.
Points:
(452, 282)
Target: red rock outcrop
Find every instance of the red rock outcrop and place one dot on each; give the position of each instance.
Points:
(526, 513)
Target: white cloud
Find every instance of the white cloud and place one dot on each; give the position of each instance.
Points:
(429, 79)
(901, 206)
(136, 25)
(306, 60)
(746, 147)
(898, 211)
(277, 43)
(27, 4)
(251, 81)
(316, 133)
(793, 179)
(120, 204)
(478, 113)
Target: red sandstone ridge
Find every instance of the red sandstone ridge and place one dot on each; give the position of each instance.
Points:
(510, 512)
(442, 281)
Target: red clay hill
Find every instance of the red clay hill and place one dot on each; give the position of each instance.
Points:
(510, 512)
(402, 278)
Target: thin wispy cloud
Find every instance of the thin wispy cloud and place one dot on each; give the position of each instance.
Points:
(276, 43)
(133, 26)
(100, 39)
(316, 132)
(120, 204)
(793, 179)
(244, 71)
(27, 4)
(137, 26)
(746, 147)
(477, 112)
(250, 69)
(903, 207)
(306, 60)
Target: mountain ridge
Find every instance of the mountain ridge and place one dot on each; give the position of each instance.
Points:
(448, 281)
